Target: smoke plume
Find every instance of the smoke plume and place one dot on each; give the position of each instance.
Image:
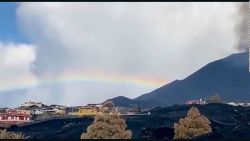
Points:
(242, 27)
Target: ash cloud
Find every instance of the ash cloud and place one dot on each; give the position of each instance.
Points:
(161, 40)
(242, 27)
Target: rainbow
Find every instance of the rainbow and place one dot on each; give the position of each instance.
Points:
(88, 76)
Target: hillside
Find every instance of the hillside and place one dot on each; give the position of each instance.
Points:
(224, 119)
(229, 77)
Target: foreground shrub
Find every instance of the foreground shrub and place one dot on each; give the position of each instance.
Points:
(107, 127)
(191, 126)
(10, 135)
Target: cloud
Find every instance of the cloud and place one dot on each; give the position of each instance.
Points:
(19, 56)
(132, 38)
(15, 65)
(160, 40)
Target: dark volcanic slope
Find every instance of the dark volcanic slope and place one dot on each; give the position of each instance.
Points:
(166, 116)
(228, 77)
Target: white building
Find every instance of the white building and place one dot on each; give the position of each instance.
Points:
(31, 103)
(239, 104)
(196, 101)
(36, 111)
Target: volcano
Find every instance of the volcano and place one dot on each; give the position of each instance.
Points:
(228, 77)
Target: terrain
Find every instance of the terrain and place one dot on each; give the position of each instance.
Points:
(227, 121)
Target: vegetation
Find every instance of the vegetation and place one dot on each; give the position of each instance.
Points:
(10, 135)
(108, 104)
(214, 99)
(107, 127)
(108, 107)
(194, 124)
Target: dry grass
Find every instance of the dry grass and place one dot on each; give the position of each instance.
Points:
(10, 135)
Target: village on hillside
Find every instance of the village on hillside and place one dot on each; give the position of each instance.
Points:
(31, 111)
(37, 111)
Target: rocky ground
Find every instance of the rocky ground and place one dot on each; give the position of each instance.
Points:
(227, 122)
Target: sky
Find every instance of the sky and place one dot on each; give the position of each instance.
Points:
(80, 53)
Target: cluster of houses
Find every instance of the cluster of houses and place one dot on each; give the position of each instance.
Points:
(13, 116)
(195, 101)
(202, 102)
(38, 108)
(32, 111)
(106, 107)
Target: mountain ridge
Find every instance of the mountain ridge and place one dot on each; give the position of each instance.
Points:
(229, 77)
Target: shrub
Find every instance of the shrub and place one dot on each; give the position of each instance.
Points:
(10, 135)
(194, 124)
(214, 99)
(107, 127)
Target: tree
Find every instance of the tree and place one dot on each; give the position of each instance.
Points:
(194, 124)
(107, 126)
(214, 99)
(108, 104)
(108, 107)
(10, 135)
